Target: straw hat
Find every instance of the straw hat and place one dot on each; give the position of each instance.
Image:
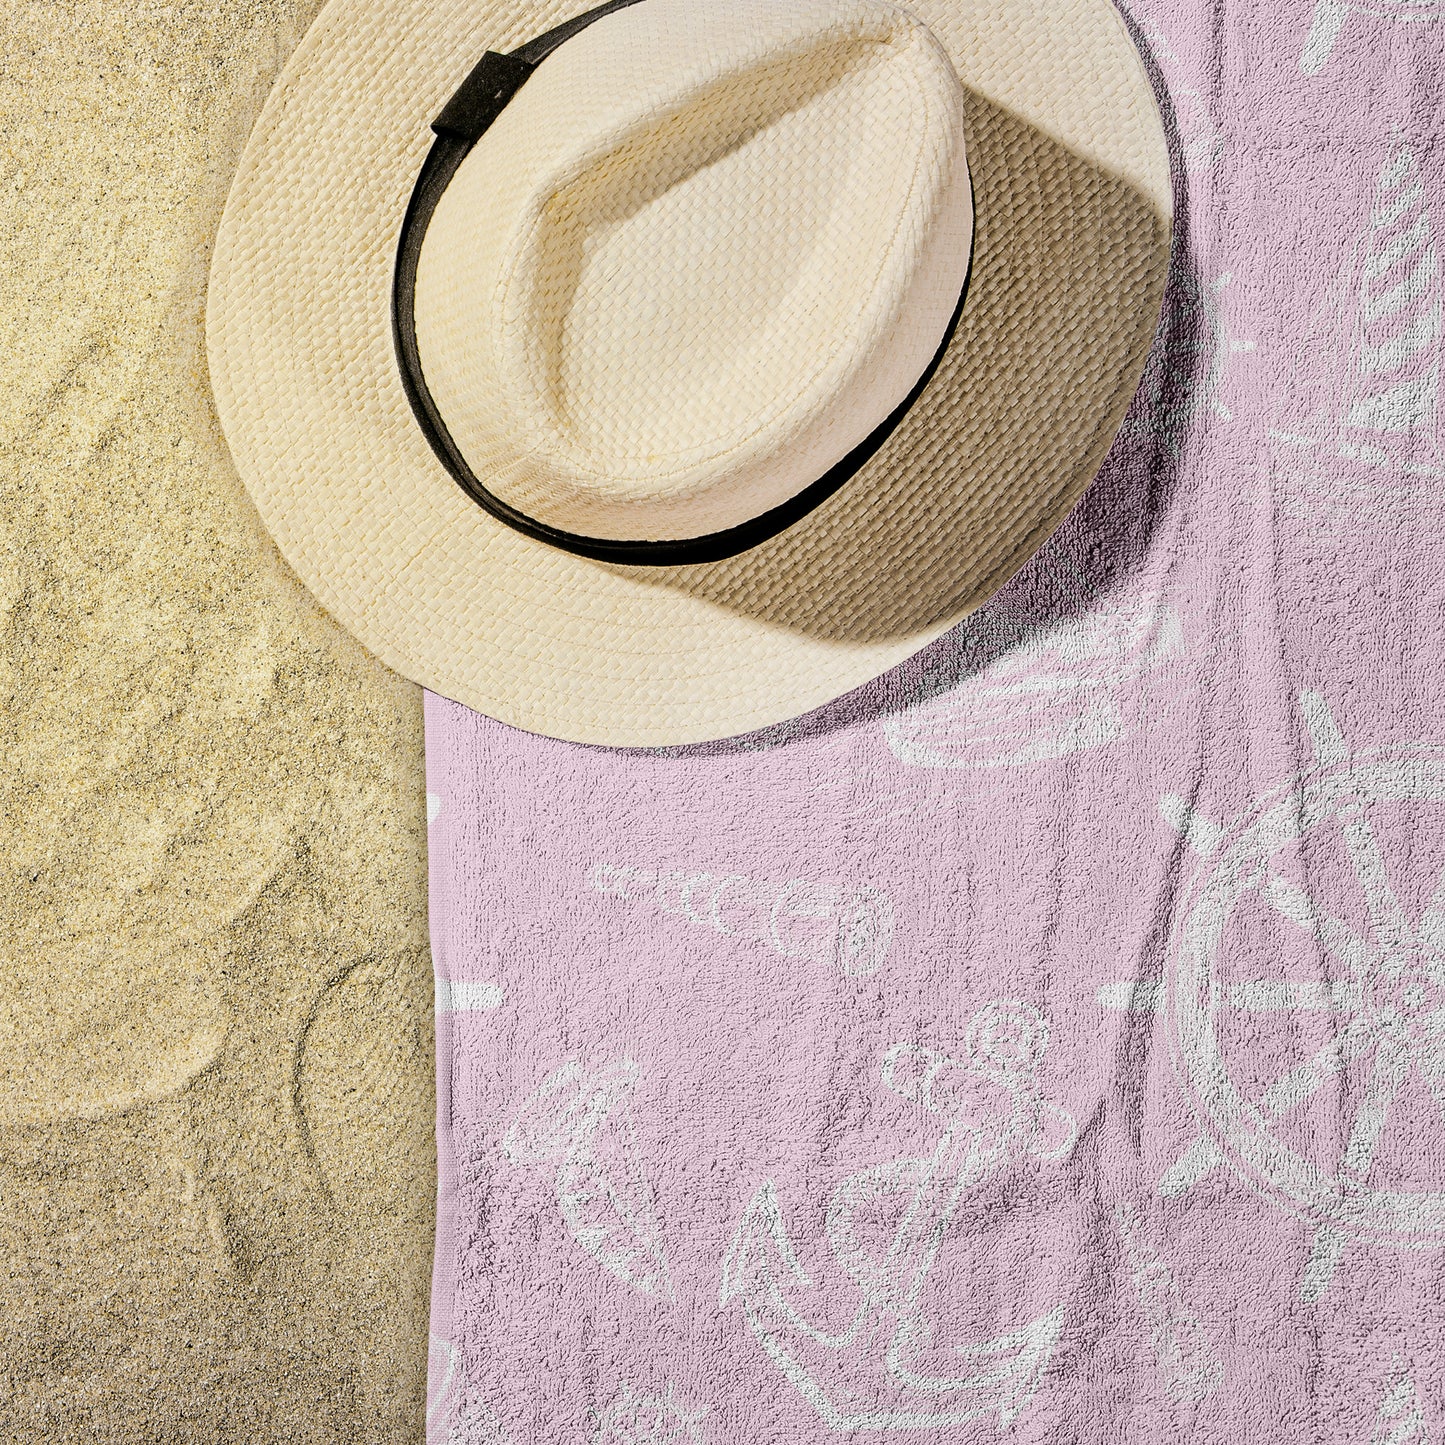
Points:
(656, 373)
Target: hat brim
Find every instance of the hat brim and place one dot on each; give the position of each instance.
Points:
(1071, 252)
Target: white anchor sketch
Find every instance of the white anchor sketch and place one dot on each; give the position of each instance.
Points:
(1377, 436)
(1383, 1010)
(642, 1419)
(1330, 17)
(870, 1373)
(581, 1122)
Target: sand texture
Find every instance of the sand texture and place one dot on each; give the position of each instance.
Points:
(216, 1065)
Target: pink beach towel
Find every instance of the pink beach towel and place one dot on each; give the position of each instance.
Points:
(1047, 1042)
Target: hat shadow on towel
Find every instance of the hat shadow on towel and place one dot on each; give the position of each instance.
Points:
(1105, 539)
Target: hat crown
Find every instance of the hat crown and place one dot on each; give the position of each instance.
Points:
(704, 252)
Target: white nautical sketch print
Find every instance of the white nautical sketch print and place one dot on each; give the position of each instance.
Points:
(1055, 693)
(456, 996)
(641, 1419)
(879, 1371)
(477, 1424)
(453, 1416)
(1200, 141)
(1186, 1363)
(1399, 1419)
(1381, 1010)
(1185, 374)
(580, 1121)
(1131, 994)
(443, 1387)
(846, 926)
(1330, 16)
(1378, 434)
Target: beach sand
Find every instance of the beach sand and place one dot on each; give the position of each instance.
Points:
(216, 1068)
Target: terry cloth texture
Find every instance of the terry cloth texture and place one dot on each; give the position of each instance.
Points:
(215, 1013)
(1053, 1035)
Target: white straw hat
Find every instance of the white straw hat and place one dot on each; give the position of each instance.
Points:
(655, 373)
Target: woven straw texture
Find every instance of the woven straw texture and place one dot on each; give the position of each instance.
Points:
(683, 191)
(1071, 182)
